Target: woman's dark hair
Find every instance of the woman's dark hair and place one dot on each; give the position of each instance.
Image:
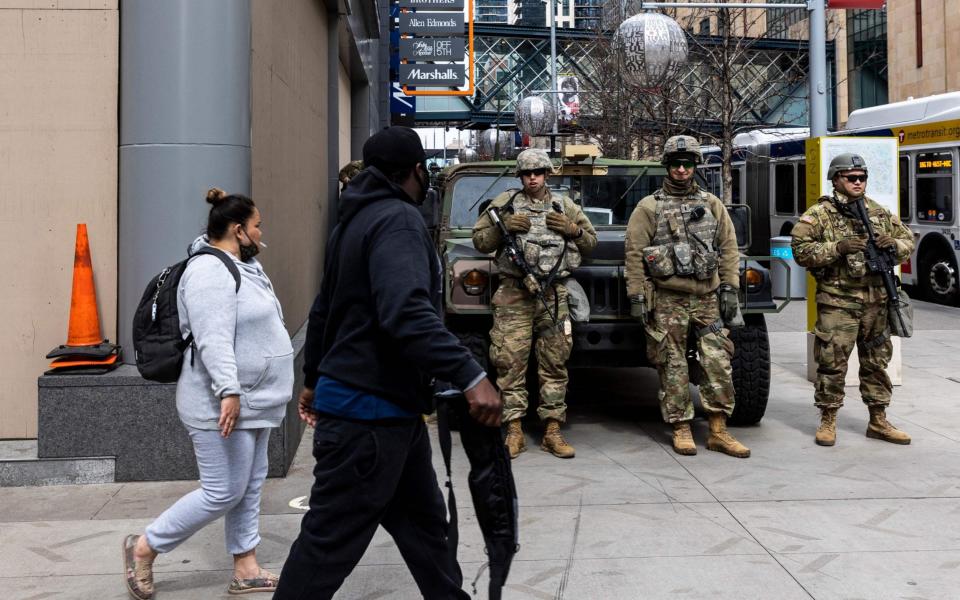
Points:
(226, 210)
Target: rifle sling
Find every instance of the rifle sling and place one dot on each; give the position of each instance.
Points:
(446, 445)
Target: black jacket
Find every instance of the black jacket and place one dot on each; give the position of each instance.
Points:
(376, 324)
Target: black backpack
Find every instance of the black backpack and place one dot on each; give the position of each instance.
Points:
(157, 344)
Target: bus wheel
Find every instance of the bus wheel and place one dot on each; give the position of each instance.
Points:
(938, 279)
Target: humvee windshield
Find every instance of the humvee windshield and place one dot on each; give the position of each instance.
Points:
(604, 198)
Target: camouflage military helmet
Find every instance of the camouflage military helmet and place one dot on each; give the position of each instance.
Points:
(533, 158)
(350, 170)
(846, 162)
(682, 146)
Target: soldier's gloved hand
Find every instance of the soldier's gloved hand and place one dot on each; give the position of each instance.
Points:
(729, 302)
(885, 241)
(851, 245)
(562, 224)
(517, 223)
(638, 309)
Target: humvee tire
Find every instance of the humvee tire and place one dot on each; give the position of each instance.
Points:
(751, 370)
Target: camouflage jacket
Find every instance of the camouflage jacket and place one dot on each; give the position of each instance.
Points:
(642, 230)
(842, 280)
(540, 245)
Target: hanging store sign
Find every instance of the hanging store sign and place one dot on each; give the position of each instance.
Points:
(424, 49)
(431, 23)
(433, 4)
(432, 75)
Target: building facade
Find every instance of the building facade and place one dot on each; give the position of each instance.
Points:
(121, 113)
(923, 47)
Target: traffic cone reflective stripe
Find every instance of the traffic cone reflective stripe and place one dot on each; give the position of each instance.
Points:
(84, 327)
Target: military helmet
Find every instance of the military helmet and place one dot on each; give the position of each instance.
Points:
(350, 170)
(533, 158)
(682, 146)
(846, 162)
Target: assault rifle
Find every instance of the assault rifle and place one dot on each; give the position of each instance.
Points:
(883, 261)
(512, 248)
(491, 485)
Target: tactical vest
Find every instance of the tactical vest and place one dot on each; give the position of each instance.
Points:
(546, 251)
(851, 270)
(685, 241)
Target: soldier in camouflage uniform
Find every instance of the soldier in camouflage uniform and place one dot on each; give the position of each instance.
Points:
(851, 302)
(683, 273)
(552, 232)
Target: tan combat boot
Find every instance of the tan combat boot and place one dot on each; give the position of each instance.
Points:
(880, 428)
(515, 441)
(827, 432)
(721, 440)
(553, 441)
(683, 439)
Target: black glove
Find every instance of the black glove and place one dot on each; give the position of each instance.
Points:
(729, 302)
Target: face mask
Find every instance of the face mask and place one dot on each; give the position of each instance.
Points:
(248, 251)
(425, 189)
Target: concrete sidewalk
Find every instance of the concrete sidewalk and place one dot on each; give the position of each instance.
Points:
(626, 519)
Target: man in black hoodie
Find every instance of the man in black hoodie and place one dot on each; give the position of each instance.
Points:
(375, 340)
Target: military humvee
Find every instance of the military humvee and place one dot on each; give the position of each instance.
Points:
(607, 190)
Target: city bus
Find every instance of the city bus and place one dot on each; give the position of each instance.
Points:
(769, 170)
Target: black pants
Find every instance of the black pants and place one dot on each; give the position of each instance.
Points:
(370, 474)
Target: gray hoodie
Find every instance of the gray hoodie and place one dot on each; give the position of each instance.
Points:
(242, 346)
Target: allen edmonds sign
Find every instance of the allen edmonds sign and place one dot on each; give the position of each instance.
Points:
(432, 75)
(434, 4)
(431, 23)
(423, 49)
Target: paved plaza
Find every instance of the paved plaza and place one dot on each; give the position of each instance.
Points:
(626, 519)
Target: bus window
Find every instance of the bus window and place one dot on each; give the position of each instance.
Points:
(802, 186)
(735, 196)
(783, 190)
(905, 214)
(935, 187)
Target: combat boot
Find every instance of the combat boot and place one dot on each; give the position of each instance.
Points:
(553, 441)
(515, 441)
(721, 440)
(683, 439)
(880, 428)
(827, 432)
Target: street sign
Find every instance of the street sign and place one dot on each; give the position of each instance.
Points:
(434, 4)
(431, 23)
(432, 75)
(425, 49)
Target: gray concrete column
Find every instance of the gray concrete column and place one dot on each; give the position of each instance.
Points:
(333, 116)
(184, 127)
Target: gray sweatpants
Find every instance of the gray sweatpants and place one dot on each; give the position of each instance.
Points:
(232, 471)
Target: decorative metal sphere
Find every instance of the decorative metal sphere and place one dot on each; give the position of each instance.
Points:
(535, 115)
(495, 144)
(466, 155)
(651, 48)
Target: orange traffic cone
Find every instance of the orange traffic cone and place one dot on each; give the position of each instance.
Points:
(85, 348)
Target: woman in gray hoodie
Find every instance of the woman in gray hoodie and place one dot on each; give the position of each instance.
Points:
(231, 392)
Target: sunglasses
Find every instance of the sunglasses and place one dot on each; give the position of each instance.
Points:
(529, 172)
(676, 164)
(855, 178)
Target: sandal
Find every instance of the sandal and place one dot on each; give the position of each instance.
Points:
(264, 582)
(138, 574)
